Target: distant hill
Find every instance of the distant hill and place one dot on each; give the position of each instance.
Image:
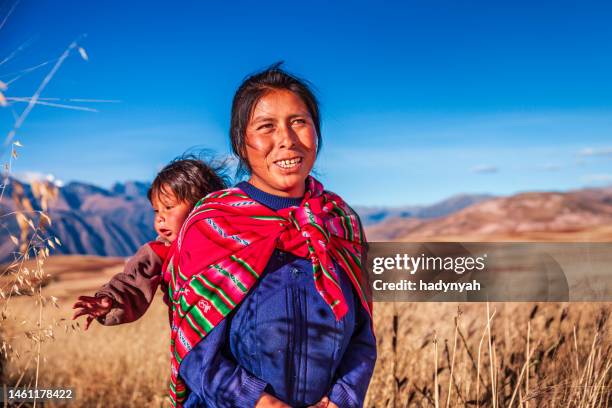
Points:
(89, 219)
(583, 214)
(374, 215)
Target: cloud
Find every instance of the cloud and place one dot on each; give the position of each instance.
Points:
(597, 178)
(551, 167)
(485, 169)
(595, 152)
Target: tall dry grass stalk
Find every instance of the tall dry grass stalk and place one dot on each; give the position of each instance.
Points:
(452, 363)
(21, 278)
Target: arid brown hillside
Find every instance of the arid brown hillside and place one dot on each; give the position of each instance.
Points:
(583, 215)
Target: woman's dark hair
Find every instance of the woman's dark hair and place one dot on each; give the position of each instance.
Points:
(252, 89)
(189, 178)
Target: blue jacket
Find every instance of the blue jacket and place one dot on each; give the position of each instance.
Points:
(283, 339)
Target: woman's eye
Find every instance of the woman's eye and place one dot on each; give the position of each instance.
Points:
(265, 126)
(169, 207)
(299, 121)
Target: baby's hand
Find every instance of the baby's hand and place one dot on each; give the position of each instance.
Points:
(93, 307)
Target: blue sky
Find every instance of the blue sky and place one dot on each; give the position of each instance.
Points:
(420, 99)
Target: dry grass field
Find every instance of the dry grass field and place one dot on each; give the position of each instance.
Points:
(117, 366)
(525, 355)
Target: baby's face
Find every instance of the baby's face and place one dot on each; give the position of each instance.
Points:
(170, 213)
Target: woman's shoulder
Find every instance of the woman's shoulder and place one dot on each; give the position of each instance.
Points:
(339, 202)
(346, 209)
(344, 206)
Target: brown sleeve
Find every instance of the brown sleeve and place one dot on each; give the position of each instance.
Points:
(133, 289)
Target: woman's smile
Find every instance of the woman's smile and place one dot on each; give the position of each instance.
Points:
(289, 164)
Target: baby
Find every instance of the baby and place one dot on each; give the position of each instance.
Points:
(173, 194)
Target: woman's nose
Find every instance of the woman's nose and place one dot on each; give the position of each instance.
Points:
(286, 136)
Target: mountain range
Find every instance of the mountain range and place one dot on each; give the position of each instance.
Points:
(87, 219)
(374, 215)
(116, 221)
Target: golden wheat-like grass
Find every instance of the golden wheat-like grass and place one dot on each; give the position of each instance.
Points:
(521, 355)
(123, 366)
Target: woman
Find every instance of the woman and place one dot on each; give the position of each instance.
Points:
(269, 299)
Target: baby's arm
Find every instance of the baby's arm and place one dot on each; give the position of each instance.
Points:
(131, 291)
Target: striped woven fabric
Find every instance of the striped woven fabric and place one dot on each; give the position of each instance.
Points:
(224, 247)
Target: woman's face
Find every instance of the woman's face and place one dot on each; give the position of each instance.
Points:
(281, 144)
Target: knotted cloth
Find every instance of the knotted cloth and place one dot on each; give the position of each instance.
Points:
(231, 237)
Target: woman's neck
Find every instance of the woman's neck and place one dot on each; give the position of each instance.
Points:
(273, 201)
(297, 190)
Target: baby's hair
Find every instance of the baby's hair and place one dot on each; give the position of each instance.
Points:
(189, 178)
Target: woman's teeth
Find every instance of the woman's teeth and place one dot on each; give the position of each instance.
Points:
(287, 164)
